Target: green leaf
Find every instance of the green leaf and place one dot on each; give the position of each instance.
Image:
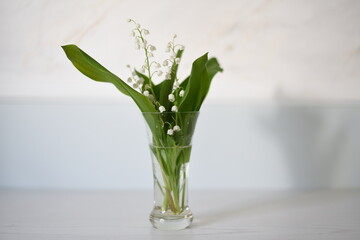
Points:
(162, 91)
(198, 77)
(198, 83)
(184, 83)
(212, 67)
(92, 69)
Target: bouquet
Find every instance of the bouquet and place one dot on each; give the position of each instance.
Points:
(170, 109)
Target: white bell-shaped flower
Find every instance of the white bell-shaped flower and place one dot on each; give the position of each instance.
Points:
(140, 81)
(176, 84)
(176, 128)
(170, 132)
(171, 97)
(181, 93)
(162, 109)
(157, 65)
(174, 109)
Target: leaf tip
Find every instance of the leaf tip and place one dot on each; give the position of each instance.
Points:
(68, 46)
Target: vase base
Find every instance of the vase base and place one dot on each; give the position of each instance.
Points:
(174, 222)
(165, 224)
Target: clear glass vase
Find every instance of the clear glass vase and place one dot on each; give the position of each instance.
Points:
(170, 136)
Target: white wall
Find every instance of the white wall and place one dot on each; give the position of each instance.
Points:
(284, 114)
(105, 146)
(309, 49)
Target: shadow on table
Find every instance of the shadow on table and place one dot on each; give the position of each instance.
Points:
(270, 203)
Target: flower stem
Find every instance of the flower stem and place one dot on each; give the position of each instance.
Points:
(147, 57)
(168, 200)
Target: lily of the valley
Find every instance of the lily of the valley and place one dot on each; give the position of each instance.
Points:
(176, 128)
(174, 108)
(171, 97)
(170, 132)
(162, 109)
(146, 93)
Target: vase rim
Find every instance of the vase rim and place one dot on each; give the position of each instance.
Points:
(170, 112)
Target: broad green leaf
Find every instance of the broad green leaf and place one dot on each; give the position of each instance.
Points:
(162, 91)
(92, 69)
(158, 87)
(184, 83)
(212, 67)
(198, 77)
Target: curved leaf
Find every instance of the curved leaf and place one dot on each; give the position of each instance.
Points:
(162, 90)
(195, 85)
(92, 69)
(184, 83)
(212, 67)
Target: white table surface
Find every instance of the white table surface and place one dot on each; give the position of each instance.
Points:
(29, 214)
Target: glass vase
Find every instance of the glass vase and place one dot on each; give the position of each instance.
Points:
(170, 135)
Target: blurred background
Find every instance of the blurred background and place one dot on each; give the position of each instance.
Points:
(284, 114)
